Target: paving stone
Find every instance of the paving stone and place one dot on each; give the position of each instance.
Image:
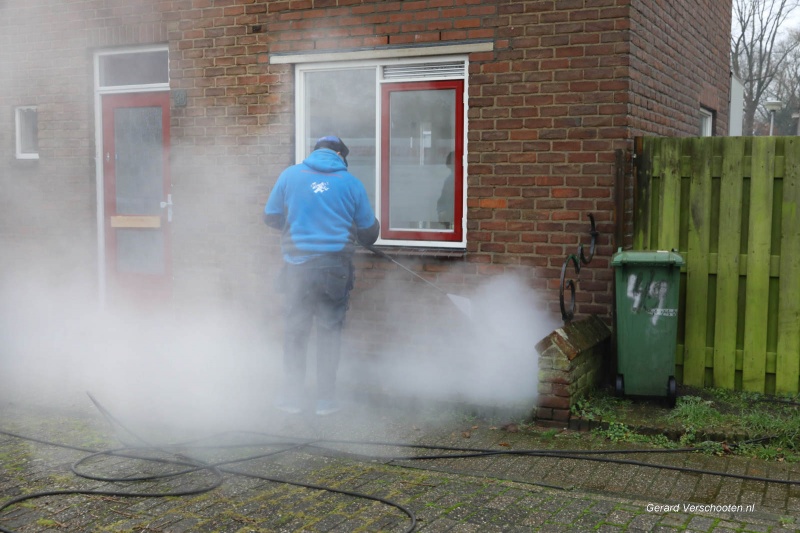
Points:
(501, 493)
(700, 523)
(674, 520)
(619, 517)
(536, 519)
(502, 501)
(609, 528)
(758, 528)
(604, 506)
(588, 521)
(571, 512)
(644, 522)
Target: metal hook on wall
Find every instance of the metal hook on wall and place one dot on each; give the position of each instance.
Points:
(577, 259)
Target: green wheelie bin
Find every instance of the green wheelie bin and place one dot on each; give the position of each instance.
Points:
(647, 294)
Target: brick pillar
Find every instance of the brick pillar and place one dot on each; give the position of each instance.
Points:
(571, 361)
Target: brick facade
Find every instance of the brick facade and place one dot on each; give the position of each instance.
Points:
(567, 85)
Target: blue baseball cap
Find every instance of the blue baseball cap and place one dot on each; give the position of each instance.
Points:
(333, 143)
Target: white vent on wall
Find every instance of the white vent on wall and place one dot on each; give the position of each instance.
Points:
(453, 69)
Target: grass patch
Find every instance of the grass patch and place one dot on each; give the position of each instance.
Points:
(714, 420)
(695, 413)
(601, 407)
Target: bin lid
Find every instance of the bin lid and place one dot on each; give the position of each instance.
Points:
(647, 257)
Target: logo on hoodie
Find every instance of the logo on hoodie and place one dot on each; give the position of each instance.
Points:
(319, 186)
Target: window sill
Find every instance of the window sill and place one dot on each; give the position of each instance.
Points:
(414, 251)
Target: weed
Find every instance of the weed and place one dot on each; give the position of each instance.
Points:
(662, 441)
(549, 434)
(768, 453)
(783, 428)
(599, 407)
(468, 417)
(688, 437)
(711, 447)
(695, 413)
(699, 413)
(616, 432)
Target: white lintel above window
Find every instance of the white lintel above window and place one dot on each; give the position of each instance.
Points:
(381, 53)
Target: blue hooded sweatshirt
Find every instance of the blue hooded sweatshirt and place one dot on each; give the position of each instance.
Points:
(320, 207)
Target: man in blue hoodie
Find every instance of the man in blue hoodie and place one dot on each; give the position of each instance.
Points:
(321, 210)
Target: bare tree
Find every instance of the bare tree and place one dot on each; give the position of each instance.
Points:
(757, 51)
(786, 88)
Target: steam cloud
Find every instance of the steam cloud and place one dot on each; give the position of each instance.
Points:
(208, 367)
(215, 365)
(218, 368)
(484, 358)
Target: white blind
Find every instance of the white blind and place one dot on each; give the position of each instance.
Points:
(453, 69)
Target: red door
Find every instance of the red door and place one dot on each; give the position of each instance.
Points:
(137, 199)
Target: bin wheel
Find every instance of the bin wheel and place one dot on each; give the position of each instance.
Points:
(672, 391)
(619, 385)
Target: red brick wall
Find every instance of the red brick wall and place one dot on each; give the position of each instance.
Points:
(547, 111)
(48, 207)
(567, 84)
(680, 57)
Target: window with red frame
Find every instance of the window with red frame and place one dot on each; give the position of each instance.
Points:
(422, 146)
(404, 125)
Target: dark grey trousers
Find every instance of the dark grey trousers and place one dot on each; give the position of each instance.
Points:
(317, 291)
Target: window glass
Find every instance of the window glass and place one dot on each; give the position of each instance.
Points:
(140, 251)
(134, 68)
(138, 141)
(27, 126)
(706, 123)
(421, 136)
(404, 125)
(343, 103)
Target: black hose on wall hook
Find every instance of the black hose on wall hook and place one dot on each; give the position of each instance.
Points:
(577, 260)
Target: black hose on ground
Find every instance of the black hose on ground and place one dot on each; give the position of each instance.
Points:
(180, 460)
(191, 465)
(587, 455)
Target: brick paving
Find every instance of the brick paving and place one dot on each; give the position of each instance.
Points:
(260, 475)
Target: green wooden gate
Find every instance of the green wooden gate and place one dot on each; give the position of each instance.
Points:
(731, 207)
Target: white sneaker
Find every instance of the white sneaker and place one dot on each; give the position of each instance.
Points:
(286, 406)
(327, 407)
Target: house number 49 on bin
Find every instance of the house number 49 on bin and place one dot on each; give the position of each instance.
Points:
(649, 297)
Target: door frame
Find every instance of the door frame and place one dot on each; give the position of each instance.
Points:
(157, 286)
(99, 91)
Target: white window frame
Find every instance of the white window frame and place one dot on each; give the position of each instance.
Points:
(99, 88)
(706, 122)
(378, 65)
(19, 130)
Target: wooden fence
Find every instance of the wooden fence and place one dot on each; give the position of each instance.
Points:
(731, 207)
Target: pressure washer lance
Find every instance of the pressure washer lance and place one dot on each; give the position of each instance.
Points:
(463, 304)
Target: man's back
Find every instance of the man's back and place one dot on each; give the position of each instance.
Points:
(322, 204)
